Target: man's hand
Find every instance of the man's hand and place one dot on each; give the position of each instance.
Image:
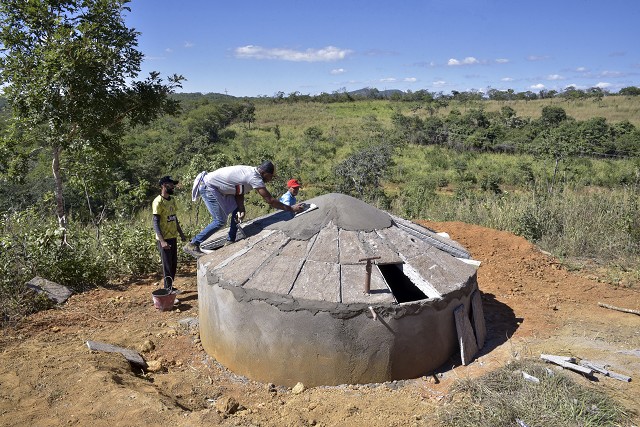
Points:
(297, 208)
(165, 245)
(183, 237)
(239, 216)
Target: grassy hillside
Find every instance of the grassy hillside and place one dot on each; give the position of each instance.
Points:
(582, 208)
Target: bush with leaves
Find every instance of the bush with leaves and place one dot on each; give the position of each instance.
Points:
(31, 246)
(128, 247)
(359, 175)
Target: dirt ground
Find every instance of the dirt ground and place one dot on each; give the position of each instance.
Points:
(532, 305)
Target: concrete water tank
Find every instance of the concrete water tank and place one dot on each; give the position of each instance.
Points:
(287, 303)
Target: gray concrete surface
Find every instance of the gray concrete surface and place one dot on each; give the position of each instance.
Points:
(286, 304)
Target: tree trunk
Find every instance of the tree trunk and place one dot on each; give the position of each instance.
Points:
(62, 218)
(555, 172)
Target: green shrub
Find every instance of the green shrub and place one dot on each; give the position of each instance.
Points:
(128, 247)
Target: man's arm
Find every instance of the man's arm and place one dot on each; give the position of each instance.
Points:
(182, 236)
(275, 203)
(156, 228)
(241, 209)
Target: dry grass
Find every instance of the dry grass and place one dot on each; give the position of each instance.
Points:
(503, 397)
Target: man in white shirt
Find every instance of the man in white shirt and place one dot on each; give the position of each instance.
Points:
(223, 193)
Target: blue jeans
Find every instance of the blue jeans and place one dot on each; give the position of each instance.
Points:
(219, 217)
(233, 226)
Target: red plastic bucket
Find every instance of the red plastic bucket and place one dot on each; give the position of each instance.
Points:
(163, 299)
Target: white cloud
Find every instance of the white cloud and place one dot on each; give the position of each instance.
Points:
(469, 60)
(555, 77)
(539, 86)
(439, 83)
(502, 61)
(188, 45)
(603, 85)
(329, 53)
(168, 50)
(611, 74)
(410, 79)
(581, 69)
(388, 80)
(337, 71)
(537, 58)
(506, 79)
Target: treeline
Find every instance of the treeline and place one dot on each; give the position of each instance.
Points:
(212, 132)
(554, 133)
(423, 95)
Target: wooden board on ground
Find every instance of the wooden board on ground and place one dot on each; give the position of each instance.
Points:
(566, 363)
(466, 337)
(131, 355)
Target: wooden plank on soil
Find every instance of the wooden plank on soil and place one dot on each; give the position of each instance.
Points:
(131, 355)
(466, 338)
(562, 361)
(604, 371)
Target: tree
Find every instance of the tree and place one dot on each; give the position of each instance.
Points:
(558, 143)
(68, 68)
(630, 91)
(361, 173)
(552, 116)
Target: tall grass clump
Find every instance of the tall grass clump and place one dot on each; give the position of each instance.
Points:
(504, 398)
(594, 224)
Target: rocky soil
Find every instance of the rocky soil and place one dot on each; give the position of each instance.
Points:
(532, 305)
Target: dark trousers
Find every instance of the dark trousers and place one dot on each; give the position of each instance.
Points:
(169, 259)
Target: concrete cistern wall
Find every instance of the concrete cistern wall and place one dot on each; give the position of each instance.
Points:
(287, 303)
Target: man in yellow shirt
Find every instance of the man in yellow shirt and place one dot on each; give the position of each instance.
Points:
(167, 228)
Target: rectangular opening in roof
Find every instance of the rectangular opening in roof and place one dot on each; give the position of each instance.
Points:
(403, 289)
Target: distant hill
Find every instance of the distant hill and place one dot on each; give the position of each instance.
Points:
(193, 96)
(364, 93)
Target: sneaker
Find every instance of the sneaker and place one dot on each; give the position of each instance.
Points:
(193, 250)
(175, 291)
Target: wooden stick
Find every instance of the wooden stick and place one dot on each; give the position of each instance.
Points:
(603, 370)
(624, 310)
(562, 361)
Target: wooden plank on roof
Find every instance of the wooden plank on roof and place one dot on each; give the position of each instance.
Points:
(241, 268)
(409, 246)
(325, 247)
(352, 281)
(276, 275)
(351, 250)
(444, 272)
(377, 246)
(319, 281)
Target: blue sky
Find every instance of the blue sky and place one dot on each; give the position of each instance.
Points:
(261, 47)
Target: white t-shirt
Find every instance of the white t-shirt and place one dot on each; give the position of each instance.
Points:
(234, 180)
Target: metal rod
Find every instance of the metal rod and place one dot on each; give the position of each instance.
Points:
(367, 277)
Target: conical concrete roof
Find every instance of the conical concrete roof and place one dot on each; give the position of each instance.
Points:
(318, 256)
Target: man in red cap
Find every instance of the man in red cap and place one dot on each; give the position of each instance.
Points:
(289, 198)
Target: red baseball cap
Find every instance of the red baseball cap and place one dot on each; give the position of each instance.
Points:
(292, 183)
